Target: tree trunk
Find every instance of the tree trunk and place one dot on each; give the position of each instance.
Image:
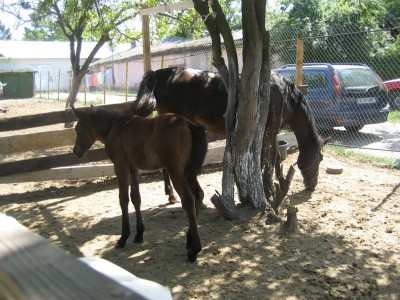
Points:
(252, 110)
(248, 101)
(76, 82)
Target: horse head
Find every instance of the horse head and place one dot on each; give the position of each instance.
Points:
(308, 164)
(85, 135)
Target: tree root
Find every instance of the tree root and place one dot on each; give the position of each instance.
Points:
(291, 224)
(226, 206)
(282, 188)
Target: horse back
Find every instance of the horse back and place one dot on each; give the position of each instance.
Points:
(155, 143)
(197, 95)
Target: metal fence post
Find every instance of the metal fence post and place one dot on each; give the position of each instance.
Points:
(104, 84)
(58, 85)
(48, 84)
(40, 84)
(126, 81)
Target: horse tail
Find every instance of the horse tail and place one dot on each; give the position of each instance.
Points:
(145, 102)
(199, 151)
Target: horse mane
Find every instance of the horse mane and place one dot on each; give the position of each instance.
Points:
(296, 101)
(108, 116)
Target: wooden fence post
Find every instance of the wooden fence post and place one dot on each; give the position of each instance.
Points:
(299, 60)
(146, 43)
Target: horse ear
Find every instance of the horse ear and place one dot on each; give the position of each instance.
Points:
(77, 112)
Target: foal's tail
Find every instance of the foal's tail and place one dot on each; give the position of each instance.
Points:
(145, 102)
(199, 151)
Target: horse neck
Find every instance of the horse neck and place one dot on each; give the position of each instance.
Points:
(102, 129)
(306, 135)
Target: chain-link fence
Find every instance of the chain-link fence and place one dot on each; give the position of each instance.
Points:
(348, 101)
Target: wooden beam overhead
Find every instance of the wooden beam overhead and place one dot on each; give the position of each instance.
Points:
(173, 6)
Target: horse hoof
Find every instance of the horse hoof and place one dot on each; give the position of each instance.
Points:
(120, 245)
(138, 239)
(192, 257)
(172, 200)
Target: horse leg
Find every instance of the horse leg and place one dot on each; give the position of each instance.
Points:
(168, 188)
(198, 194)
(122, 173)
(193, 244)
(136, 200)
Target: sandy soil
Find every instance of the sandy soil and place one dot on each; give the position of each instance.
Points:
(348, 245)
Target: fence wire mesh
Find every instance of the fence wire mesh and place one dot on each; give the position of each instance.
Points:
(116, 79)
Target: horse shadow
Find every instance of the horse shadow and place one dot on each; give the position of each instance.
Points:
(238, 259)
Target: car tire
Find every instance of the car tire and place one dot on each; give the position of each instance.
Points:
(354, 128)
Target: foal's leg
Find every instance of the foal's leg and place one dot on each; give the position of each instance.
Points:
(193, 244)
(136, 200)
(122, 173)
(168, 188)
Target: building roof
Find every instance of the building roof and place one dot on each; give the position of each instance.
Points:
(51, 50)
(171, 45)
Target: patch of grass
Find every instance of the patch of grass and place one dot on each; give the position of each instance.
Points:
(362, 157)
(337, 149)
(394, 116)
(368, 158)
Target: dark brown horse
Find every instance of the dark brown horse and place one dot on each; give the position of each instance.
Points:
(169, 141)
(201, 97)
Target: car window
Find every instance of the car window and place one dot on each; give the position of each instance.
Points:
(291, 74)
(313, 78)
(359, 78)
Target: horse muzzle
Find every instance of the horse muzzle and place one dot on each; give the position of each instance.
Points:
(311, 183)
(78, 152)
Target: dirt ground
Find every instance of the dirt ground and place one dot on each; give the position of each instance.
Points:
(348, 246)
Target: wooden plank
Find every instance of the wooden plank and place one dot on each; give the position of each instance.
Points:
(50, 118)
(44, 163)
(33, 268)
(214, 155)
(36, 141)
(62, 173)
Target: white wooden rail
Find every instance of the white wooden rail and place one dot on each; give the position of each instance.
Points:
(33, 268)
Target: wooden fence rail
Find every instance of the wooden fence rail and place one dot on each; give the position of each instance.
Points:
(61, 166)
(51, 118)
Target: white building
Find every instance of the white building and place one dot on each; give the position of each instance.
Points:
(49, 60)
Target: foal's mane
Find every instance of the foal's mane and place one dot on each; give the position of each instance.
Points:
(108, 116)
(296, 101)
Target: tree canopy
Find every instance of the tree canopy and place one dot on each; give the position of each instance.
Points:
(5, 33)
(329, 28)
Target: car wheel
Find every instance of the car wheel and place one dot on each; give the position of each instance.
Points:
(354, 128)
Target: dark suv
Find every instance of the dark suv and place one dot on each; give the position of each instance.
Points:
(348, 95)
